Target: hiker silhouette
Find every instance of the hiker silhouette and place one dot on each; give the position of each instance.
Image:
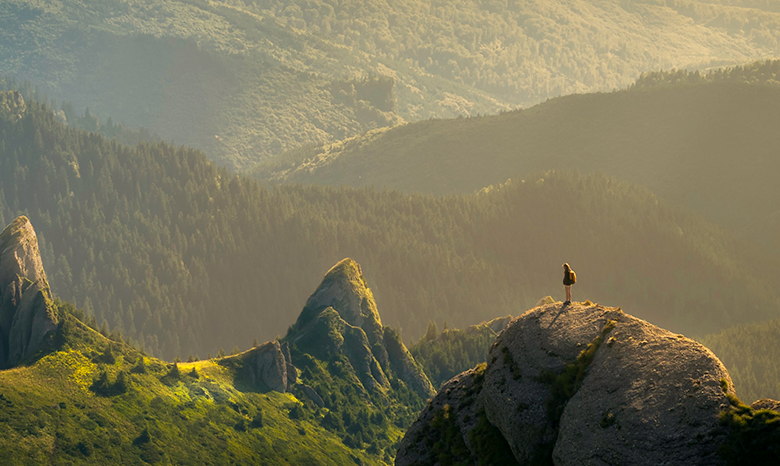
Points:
(569, 279)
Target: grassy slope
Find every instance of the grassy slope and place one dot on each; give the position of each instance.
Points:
(51, 416)
(245, 81)
(710, 148)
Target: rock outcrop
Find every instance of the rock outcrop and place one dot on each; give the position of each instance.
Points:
(340, 319)
(269, 365)
(345, 289)
(766, 403)
(27, 317)
(586, 385)
(455, 403)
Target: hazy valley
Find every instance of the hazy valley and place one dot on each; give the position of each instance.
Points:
(243, 80)
(201, 175)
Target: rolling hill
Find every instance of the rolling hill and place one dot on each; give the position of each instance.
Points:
(708, 145)
(245, 80)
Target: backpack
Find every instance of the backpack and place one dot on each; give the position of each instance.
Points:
(572, 277)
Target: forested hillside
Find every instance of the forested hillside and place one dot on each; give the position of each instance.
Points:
(184, 257)
(710, 146)
(447, 354)
(750, 353)
(68, 115)
(246, 79)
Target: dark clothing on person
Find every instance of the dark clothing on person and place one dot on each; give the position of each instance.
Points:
(567, 278)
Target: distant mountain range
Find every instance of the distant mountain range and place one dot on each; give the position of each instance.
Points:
(707, 145)
(245, 80)
(183, 258)
(706, 142)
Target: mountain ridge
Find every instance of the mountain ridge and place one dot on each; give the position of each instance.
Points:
(149, 238)
(670, 139)
(254, 406)
(211, 74)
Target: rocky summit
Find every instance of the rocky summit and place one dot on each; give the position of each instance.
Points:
(579, 385)
(341, 319)
(27, 319)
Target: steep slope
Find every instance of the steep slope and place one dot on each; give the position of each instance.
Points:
(97, 401)
(246, 80)
(582, 384)
(184, 258)
(88, 399)
(341, 319)
(707, 146)
(27, 318)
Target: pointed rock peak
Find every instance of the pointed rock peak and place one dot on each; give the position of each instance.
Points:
(27, 317)
(19, 254)
(345, 290)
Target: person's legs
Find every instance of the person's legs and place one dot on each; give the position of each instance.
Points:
(568, 292)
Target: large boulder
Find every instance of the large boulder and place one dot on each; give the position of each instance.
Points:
(590, 385)
(268, 366)
(650, 397)
(27, 317)
(453, 413)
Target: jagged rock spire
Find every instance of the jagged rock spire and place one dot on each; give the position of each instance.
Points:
(27, 317)
(345, 290)
(341, 317)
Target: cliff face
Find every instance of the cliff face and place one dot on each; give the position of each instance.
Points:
(585, 385)
(270, 364)
(341, 319)
(27, 319)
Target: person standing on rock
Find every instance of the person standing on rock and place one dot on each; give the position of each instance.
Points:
(569, 279)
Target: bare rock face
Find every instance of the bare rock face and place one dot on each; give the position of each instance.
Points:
(766, 403)
(292, 373)
(590, 385)
(345, 289)
(651, 397)
(267, 365)
(27, 317)
(313, 395)
(340, 319)
(454, 405)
